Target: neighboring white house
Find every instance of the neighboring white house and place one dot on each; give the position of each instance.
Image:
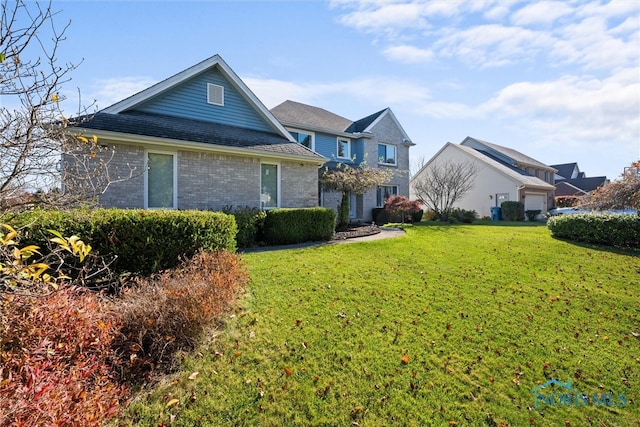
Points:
(503, 174)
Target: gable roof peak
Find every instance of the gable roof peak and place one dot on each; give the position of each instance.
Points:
(169, 83)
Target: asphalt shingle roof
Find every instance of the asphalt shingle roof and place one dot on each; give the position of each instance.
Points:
(514, 154)
(291, 113)
(161, 126)
(362, 124)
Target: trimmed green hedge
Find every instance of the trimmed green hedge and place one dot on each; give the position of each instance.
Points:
(144, 241)
(605, 229)
(512, 211)
(288, 225)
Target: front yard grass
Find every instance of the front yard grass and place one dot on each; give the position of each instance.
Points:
(448, 325)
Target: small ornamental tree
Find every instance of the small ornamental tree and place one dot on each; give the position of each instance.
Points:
(349, 179)
(620, 194)
(441, 184)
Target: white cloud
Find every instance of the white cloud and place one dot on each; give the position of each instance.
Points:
(574, 108)
(408, 54)
(374, 16)
(373, 92)
(109, 91)
(544, 13)
(492, 45)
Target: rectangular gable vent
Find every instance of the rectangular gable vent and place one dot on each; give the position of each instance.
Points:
(215, 94)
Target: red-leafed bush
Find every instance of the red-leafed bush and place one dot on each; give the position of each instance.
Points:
(57, 360)
(401, 208)
(168, 312)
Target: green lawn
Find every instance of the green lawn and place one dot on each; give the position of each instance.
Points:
(448, 325)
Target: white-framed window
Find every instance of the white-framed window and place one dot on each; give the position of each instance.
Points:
(269, 185)
(387, 154)
(304, 137)
(215, 94)
(384, 192)
(344, 148)
(501, 197)
(161, 180)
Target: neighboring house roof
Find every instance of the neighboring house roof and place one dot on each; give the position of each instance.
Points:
(291, 113)
(565, 170)
(128, 118)
(587, 184)
(517, 175)
(563, 188)
(181, 129)
(517, 156)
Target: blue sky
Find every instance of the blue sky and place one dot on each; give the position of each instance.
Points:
(556, 80)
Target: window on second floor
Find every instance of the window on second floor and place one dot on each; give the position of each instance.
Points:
(304, 138)
(344, 148)
(387, 154)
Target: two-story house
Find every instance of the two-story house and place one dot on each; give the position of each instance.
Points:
(377, 140)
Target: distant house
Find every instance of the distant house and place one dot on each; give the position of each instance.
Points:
(202, 140)
(570, 181)
(504, 174)
(378, 139)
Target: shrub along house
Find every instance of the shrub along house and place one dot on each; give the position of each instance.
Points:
(378, 140)
(504, 174)
(202, 140)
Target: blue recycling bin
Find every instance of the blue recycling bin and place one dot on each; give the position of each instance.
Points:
(495, 213)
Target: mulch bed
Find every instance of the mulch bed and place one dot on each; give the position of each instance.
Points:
(356, 231)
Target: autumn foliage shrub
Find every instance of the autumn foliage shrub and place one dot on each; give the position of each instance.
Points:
(402, 209)
(168, 312)
(57, 360)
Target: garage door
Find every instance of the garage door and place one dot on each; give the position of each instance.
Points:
(534, 202)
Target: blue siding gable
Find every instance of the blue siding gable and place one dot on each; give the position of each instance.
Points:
(189, 100)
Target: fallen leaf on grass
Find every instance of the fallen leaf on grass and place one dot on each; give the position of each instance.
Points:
(172, 402)
(288, 371)
(405, 359)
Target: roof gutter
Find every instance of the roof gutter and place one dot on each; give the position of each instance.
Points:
(151, 141)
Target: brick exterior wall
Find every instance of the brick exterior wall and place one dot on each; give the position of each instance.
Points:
(299, 185)
(126, 171)
(209, 181)
(386, 132)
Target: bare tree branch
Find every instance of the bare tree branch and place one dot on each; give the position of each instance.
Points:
(441, 184)
(33, 130)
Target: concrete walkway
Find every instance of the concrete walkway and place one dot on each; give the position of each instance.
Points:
(385, 233)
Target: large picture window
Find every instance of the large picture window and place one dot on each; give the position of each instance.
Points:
(387, 154)
(384, 192)
(161, 181)
(269, 186)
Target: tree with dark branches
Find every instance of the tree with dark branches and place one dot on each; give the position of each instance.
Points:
(33, 129)
(441, 184)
